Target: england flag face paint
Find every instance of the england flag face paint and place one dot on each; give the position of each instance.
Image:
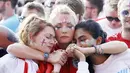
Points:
(88, 43)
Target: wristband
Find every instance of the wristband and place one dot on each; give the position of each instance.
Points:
(46, 56)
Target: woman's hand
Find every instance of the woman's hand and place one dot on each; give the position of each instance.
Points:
(72, 51)
(58, 57)
(87, 50)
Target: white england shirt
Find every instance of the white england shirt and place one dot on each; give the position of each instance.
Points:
(12, 64)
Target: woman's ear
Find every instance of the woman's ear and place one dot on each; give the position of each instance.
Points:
(99, 40)
(31, 37)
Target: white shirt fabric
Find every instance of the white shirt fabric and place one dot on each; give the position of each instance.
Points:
(117, 63)
(12, 64)
(104, 25)
(82, 67)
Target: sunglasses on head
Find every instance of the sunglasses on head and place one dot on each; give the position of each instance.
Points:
(109, 18)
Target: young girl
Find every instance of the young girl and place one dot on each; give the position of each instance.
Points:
(34, 34)
(88, 34)
(64, 21)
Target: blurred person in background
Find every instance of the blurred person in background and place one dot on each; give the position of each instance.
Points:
(111, 24)
(78, 6)
(124, 16)
(93, 9)
(10, 19)
(20, 4)
(32, 7)
(49, 5)
(19, 7)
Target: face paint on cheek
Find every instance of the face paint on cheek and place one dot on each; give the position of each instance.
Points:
(43, 42)
(88, 43)
(91, 42)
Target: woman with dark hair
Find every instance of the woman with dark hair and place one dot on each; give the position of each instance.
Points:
(89, 39)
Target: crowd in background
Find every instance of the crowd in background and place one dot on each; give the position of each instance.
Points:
(65, 36)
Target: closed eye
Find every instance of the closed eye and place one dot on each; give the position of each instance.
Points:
(58, 26)
(81, 38)
(70, 25)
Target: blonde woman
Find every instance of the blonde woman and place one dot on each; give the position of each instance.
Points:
(34, 34)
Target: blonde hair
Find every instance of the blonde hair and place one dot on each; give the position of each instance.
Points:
(112, 3)
(62, 9)
(31, 26)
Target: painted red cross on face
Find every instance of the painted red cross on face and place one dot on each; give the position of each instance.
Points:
(64, 18)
